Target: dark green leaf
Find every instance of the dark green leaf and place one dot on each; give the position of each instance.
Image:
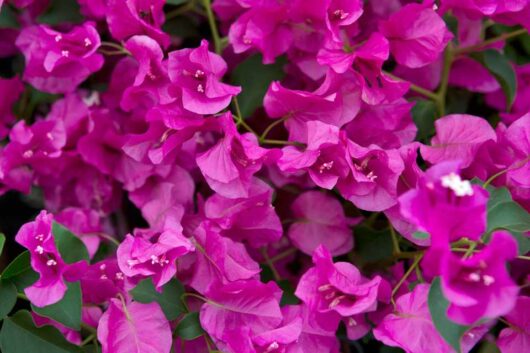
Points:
(182, 27)
(373, 245)
(450, 331)
(420, 235)
(500, 67)
(169, 299)
(19, 272)
(189, 327)
(61, 11)
(20, 335)
(91, 349)
(176, 2)
(8, 18)
(68, 310)
(424, 115)
(8, 298)
(452, 24)
(2, 242)
(255, 78)
(504, 213)
(288, 297)
(70, 247)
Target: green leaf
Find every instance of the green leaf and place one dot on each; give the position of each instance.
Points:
(8, 18)
(189, 328)
(504, 213)
(255, 78)
(8, 298)
(450, 331)
(2, 242)
(424, 115)
(70, 247)
(176, 2)
(372, 245)
(169, 299)
(68, 310)
(61, 11)
(288, 297)
(91, 349)
(500, 67)
(420, 235)
(20, 335)
(19, 272)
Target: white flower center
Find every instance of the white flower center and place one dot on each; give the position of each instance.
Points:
(460, 187)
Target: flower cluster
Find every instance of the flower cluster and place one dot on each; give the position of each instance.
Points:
(316, 175)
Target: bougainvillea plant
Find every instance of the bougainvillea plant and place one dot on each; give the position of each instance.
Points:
(265, 176)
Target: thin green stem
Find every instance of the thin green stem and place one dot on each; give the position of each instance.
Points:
(283, 255)
(444, 82)
(415, 88)
(270, 127)
(268, 261)
(119, 48)
(213, 26)
(395, 241)
(514, 166)
(478, 47)
(181, 10)
(22, 296)
(405, 276)
(89, 328)
(88, 339)
(282, 143)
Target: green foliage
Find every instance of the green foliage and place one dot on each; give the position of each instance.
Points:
(500, 67)
(2, 242)
(168, 299)
(61, 11)
(424, 115)
(71, 248)
(450, 331)
(8, 298)
(254, 78)
(20, 335)
(19, 272)
(68, 310)
(189, 327)
(504, 213)
(372, 245)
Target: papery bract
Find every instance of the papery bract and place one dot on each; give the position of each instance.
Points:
(58, 62)
(325, 224)
(134, 328)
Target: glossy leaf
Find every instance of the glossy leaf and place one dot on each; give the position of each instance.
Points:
(2, 242)
(168, 299)
(68, 310)
(424, 115)
(19, 272)
(254, 78)
(20, 335)
(500, 67)
(8, 298)
(70, 247)
(450, 331)
(504, 213)
(189, 327)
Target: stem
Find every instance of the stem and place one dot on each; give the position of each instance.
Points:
(405, 276)
(444, 82)
(180, 10)
(22, 296)
(89, 328)
(200, 297)
(88, 339)
(283, 255)
(118, 47)
(425, 92)
(268, 261)
(395, 242)
(514, 166)
(270, 127)
(281, 142)
(213, 27)
(502, 37)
